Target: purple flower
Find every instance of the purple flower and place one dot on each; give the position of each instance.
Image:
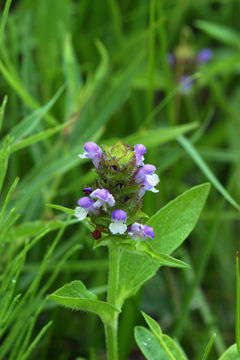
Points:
(204, 55)
(103, 197)
(170, 59)
(147, 178)
(85, 207)
(139, 150)
(93, 152)
(149, 184)
(118, 225)
(143, 172)
(137, 231)
(186, 83)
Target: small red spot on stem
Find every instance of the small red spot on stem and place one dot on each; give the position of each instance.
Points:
(97, 233)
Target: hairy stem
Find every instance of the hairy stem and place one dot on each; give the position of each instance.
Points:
(111, 329)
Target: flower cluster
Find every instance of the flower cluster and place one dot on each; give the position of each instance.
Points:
(188, 61)
(114, 202)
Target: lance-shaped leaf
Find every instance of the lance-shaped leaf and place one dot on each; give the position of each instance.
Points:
(172, 224)
(61, 208)
(166, 345)
(149, 345)
(231, 353)
(75, 296)
(162, 259)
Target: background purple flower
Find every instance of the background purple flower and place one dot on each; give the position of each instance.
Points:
(93, 152)
(186, 84)
(138, 231)
(170, 58)
(204, 55)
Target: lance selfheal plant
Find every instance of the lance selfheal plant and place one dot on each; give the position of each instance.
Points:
(112, 207)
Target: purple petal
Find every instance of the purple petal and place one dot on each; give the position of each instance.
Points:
(93, 152)
(170, 59)
(85, 202)
(101, 194)
(119, 215)
(135, 227)
(139, 150)
(204, 55)
(142, 172)
(186, 83)
(140, 231)
(148, 231)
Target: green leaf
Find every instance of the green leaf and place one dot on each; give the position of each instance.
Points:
(172, 224)
(164, 340)
(61, 208)
(27, 125)
(186, 144)
(28, 229)
(2, 110)
(4, 155)
(237, 316)
(7, 199)
(153, 325)
(159, 136)
(222, 33)
(72, 75)
(39, 136)
(163, 259)
(230, 354)
(175, 350)
(4, 18)
(149, 345)
(14, 81)
(209, 347)
(75, 296)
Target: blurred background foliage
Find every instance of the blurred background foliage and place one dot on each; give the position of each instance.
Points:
(82, 70)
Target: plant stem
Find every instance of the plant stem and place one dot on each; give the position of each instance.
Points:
(111, 329)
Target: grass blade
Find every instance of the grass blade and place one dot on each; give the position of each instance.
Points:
(209, 347)
(190, 149)
(237, 303)
(4, 18)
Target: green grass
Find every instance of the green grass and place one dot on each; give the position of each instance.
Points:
(74, 71)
